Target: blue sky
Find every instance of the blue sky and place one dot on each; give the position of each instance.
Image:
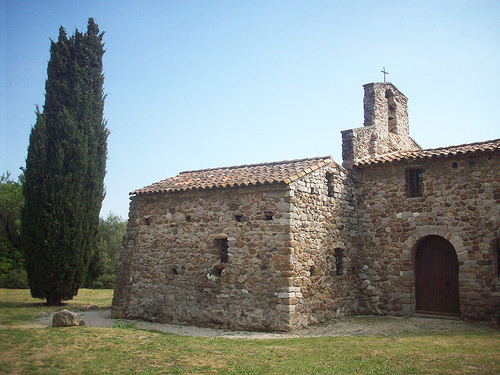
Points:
(201, 84)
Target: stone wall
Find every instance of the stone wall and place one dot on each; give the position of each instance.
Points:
(171, 269)
(322, 222)
(461, 202)
(384, 106)
(281, 269)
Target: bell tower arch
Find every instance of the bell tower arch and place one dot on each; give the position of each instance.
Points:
(386, 108)
(392, 113)
(385, 127)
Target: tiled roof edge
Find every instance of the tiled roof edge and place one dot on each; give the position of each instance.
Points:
(319, 162)
(447, 151)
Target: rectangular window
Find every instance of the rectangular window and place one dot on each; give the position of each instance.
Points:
(414, 185)
(223, 248)
(339, 262)
(329, 184)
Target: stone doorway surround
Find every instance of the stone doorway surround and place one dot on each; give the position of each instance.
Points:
(436, 277)
(411, 246)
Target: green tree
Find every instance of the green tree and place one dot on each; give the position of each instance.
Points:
(102, 269)
(12, 272)
(65, 168)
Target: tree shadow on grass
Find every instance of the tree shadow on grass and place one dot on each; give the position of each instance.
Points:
(14, 305)
(17, 305)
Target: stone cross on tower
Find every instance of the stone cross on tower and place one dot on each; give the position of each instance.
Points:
(383, 71)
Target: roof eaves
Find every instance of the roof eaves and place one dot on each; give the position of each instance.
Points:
(441, 152)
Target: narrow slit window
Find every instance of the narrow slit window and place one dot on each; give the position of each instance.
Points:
(414, 183)
(312, 271)
(391, 113)
(223, 248)
(339, 262)
(329, 184)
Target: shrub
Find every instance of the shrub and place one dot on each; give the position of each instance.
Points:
(14, 279)
(104, 282)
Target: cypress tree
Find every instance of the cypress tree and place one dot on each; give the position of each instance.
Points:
(65, 168)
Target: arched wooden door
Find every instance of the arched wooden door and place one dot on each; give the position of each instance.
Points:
(436, 277)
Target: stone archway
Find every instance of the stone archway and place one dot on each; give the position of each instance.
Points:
(436, 277)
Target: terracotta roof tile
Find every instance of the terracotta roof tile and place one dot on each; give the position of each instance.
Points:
(243, 175)
(493, 145)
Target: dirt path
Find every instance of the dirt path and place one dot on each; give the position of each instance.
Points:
(349, 326)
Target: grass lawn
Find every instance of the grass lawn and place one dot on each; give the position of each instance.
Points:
(27, 348)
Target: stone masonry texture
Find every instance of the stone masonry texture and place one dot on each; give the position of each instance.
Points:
(279, 246)
(460, 202)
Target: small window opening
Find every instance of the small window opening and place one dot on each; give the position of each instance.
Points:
(238, 218)
(188, 219)
(312, 271)
(339, 266)
(329, 184)
(147, 221)
(268, 215)
(223, 248)
(414, 183)
(217, 270)
(174, 271)
(454, 165)
(391, 113)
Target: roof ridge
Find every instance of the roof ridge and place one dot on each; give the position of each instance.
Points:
(284, 171)
(291, 161)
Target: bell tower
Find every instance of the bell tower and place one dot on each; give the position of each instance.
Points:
(385, 127)
(386, 107)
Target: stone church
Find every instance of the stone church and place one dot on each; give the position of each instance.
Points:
(396, 230)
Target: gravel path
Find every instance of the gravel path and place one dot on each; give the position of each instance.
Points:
(349, 326)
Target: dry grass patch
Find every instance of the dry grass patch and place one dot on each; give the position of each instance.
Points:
(17, 307)
(101, 350)
(126, 349)
(111, 350)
